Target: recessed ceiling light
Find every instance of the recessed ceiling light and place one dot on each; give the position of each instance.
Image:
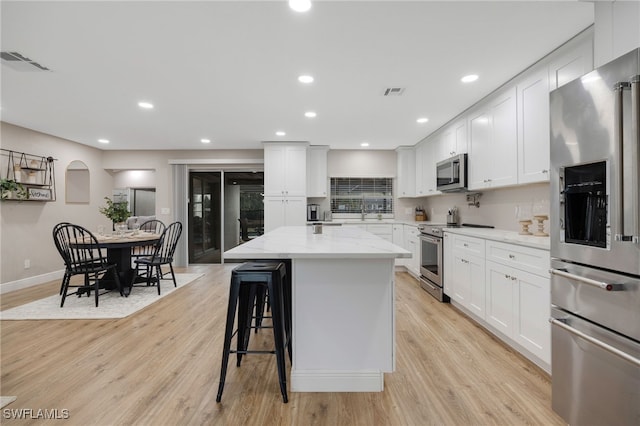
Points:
(300, 5)
(103, 140)
(145, 105)
(469, 78)
(205, 140)
(305, 79)
(280, 133)
(364, 144)
(422, 120)
(310, 114)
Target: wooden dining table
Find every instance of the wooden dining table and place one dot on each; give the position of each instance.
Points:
(119, 251)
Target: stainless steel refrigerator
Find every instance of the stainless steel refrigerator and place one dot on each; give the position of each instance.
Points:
(595, 246)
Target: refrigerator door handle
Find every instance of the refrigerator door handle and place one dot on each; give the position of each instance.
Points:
(635, 153)
(559, 323)
(619, 89)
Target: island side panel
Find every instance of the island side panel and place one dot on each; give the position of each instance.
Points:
(343, 324)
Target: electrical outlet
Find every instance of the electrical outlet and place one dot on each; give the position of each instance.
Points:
(165, 210)
(27, 263)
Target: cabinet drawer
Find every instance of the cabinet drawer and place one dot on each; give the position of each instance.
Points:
(469, 245)
(527, 259)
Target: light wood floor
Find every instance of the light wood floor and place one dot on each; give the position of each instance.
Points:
(162, 365)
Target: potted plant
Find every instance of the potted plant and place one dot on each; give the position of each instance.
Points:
(117, 212)
(12, 189)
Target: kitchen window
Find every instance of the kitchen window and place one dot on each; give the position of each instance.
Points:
(362, 195)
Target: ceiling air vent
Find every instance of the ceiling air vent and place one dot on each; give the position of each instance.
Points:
(20, 63)
(393, 91)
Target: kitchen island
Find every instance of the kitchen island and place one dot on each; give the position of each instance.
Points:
(342, 302)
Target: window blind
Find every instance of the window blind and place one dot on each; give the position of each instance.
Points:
(353, 195)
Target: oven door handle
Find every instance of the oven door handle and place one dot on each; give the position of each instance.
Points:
(436, 241)
(596, 342)
(585, 280)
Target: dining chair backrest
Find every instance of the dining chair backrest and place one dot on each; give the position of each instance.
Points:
(166, 246)
(78, 247)
(154, 225)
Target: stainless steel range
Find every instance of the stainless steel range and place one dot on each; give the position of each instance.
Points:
(431, 262)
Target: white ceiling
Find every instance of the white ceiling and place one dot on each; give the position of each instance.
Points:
(227, 70)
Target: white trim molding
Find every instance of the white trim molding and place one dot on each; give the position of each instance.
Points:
(30, 281)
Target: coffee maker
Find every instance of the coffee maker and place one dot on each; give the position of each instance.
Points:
(313, 212)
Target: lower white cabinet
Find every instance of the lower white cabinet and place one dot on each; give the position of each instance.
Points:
(284, 211)
(506, 288)
(467, 281)
(412, 243)
(397, 237)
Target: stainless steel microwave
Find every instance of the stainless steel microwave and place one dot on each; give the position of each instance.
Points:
(451, 174)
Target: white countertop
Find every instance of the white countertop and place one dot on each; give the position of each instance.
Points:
(291, 242)
(503, 236)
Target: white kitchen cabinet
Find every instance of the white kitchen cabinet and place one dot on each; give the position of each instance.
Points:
(406, 171)
(493, 140)
(518, 295)
(572, 60)
(420, 160)
(412, 241)
(453, 140)
(514, 281)
(426, 167)
(317, 182)
(468, 274)
(533, 127)
(397, 238)
(500, 295)
(284, 211)
(285, 170)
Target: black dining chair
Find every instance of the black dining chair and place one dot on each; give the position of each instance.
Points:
(162, 255)
(82, 256)
(153, 226)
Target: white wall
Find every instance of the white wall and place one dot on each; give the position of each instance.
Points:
(26, 226)
(134, 179)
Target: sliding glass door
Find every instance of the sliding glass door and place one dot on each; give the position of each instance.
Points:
(204, 217)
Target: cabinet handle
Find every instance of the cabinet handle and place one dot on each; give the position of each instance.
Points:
(545, 171)
(511, 256)
(507, 276)
(465, 244)
(513, 278)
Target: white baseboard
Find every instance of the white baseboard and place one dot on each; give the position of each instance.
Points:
(337, 381)
(31, 281)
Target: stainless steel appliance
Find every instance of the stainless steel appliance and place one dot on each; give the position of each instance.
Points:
(313, 212)
(451, 174)
(431, 262)
(595, 247)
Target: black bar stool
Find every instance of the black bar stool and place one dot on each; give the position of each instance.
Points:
(249, 284)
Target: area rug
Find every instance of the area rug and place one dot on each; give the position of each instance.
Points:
(111, 304)
(6, 400)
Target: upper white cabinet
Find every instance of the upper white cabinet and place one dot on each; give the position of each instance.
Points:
(406, 171)
(317, 182)
(571, 61)
(420, 161)
(493, 139)
(452, 141)
(533, 127)
(285, 169)
(285, 184)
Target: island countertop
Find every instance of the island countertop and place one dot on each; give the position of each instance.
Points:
(299, 242)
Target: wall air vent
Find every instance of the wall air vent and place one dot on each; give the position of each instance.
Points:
(393, 91)
(20, 63)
